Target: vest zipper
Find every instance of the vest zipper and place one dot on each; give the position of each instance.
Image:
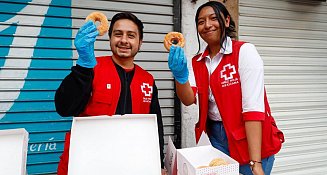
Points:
(125, 91)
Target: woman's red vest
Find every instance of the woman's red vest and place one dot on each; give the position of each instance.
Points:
(226, 87)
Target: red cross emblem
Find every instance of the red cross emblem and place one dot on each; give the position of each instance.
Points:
(146, 89)
(228, 72)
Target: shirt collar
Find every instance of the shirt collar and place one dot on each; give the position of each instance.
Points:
(228, 49)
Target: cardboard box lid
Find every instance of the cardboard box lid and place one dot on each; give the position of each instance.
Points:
(13, 151)
(171, 158)
(121, 145)
(171, 153)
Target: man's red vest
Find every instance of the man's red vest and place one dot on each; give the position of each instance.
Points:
(106, 89)
(105, 96)
(226, 87)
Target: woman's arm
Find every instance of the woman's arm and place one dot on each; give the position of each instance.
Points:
(254, 138)
(185, 93)
(252, 84)
(177, 63)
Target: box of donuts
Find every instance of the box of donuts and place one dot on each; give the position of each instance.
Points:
(200, 160)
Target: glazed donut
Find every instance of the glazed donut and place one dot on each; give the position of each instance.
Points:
(217, 162)
(98, 16)
(175, 38)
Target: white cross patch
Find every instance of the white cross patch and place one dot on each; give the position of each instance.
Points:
(146, 89)
(228, 72)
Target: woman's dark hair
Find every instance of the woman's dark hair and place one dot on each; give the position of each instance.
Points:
(220, 10)
(130, 16)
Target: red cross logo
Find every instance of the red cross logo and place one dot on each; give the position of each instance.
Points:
(228, 72)
(146, 89)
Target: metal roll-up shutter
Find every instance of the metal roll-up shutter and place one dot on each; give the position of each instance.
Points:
(291, 37)
(37, 52)
(35, 55)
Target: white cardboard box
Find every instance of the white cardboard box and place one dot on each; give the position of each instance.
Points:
(123, 145)
(185, 161)
(13, 151)
(171, 158)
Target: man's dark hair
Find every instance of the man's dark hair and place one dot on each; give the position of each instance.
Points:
(130, 16)
(221, 13)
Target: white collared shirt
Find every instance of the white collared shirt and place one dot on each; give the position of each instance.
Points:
(251, 76)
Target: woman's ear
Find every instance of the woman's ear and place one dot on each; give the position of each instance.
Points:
(227, 21)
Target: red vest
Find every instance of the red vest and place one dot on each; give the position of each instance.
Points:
(226, 88)
(106, 90)
(105, 97)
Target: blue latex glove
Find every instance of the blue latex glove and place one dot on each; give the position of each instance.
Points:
(84, 43)
(177, 63)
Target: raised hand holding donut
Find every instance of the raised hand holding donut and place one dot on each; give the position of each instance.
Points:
(86, 36)
(84, 43)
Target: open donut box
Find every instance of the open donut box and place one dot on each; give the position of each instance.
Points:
(119, 145)
(187, 161)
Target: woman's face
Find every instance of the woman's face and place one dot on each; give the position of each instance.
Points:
(208, 26)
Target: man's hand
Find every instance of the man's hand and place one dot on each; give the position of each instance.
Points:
(84, 43)
(177, 63)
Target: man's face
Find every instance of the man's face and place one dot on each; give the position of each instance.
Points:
(125, 39)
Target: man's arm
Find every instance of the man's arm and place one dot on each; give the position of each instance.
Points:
(74, 92)
(155, 109)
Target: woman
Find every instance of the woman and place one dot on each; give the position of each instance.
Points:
(229, 83)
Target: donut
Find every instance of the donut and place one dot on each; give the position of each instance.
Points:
(202, 166)
(217, 162)
(98, 16)
(175, 38)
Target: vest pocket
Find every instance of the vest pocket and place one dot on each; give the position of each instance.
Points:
(240, 153)
(272, 137)
(239, 134)
(278, 132)
(100, 104)
(102, 97)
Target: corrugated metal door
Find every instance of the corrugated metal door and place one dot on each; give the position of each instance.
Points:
(291, 37)
(36, 53)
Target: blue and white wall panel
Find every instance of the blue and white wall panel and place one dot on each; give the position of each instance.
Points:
(37, 52)
(291, 37)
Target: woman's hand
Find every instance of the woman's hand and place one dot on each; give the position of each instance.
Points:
(164, 172)
(177, 63)
(257, 169)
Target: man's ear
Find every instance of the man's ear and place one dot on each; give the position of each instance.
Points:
(227, 21)
(141, 41)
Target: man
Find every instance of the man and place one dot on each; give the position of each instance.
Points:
(108, 85)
